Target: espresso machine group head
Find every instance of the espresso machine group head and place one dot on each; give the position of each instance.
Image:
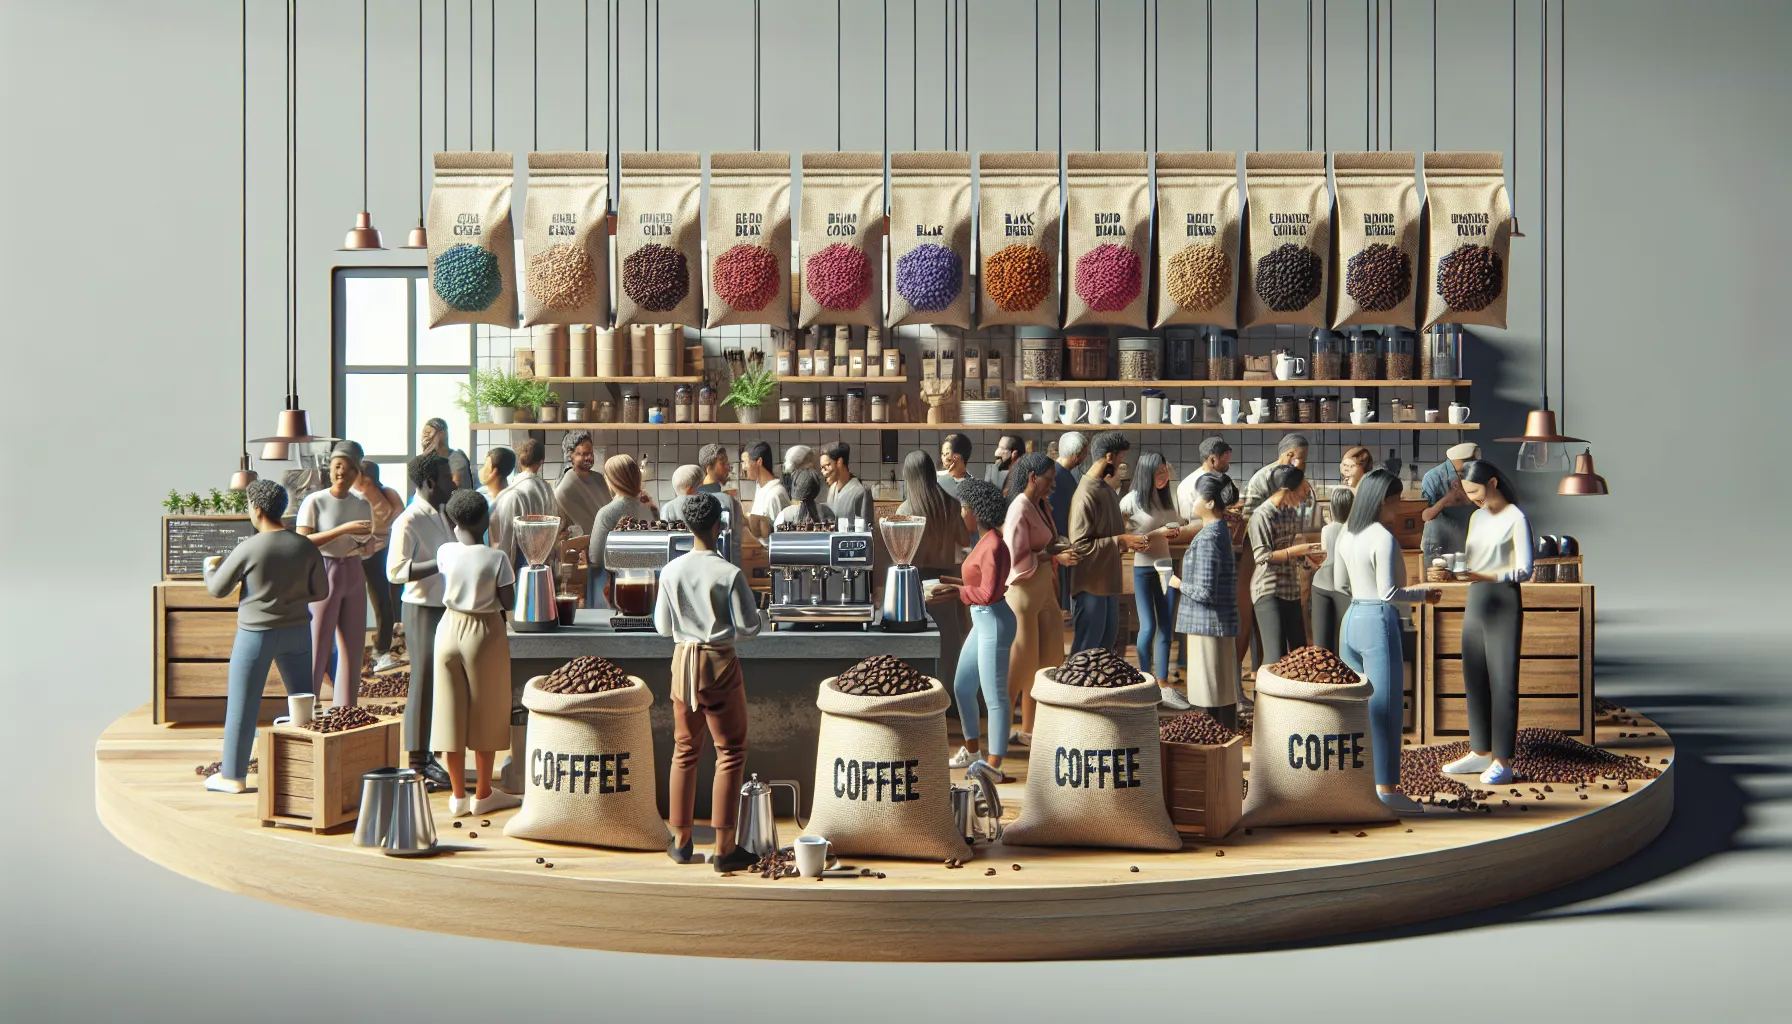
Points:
(635, 552)
(821, 579)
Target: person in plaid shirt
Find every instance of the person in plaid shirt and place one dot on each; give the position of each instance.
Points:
(1208, 611)
(1275, 589)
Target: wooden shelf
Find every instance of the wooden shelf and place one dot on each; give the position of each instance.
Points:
(1038, 385)
(793, 379)
(622, 380)
(765, 425)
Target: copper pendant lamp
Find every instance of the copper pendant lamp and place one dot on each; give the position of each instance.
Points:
(363, 236)
(244, 476)
(1584, 481)
(419, 238)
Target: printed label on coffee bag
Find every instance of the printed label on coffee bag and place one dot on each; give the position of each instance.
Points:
(876, 781)
(1116, 768)
(467, 225)
(577, 773)
(1327, 753)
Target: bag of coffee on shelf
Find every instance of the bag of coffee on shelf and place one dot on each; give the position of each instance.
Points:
(658, 230)
(1377, 257)
(1468, 239)
(1095, 771)
(566, 240)
(588, 765)
(472, 253)
(930, 239)
(1287, 240)
(1017, 240)
(1311, 762)
(1109, 232)
(749, 239)
(881, 787)
(1197, 239)
(841, 239)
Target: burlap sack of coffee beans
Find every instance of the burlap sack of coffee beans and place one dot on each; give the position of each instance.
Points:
(1468, 239)
(588, 769)
(1287, 240)
(1197, 239)
(930, 239)
(749, 239)
(1109, 239)
(1094, 772)
(566, 239)
(840, 239)
(658, 231)
(1377, 256)
(1311, 762)
(882, 788)
(1017, 239)
(472, 251)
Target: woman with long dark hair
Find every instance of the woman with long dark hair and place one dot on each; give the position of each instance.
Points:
(1499, 559)
(1037, 547)
(943, 541)
(1150, 510)
(1331, 590)
(806, 486)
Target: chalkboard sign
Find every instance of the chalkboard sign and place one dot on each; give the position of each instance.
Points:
(187, 541)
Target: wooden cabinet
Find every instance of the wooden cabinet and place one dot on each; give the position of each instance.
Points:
(193, 634)
(1555, 675)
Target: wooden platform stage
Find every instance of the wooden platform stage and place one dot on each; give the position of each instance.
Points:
(1278, 885)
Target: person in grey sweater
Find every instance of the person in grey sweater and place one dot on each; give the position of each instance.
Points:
(846, 493)
(281, 574)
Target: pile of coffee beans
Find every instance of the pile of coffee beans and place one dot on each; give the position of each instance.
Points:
(838, 277)
(929, 276)
(656, 277)
(392, 684)
(881, 675)
(1098, 666)
(561, 277)
(1379, 277)
(1314, 665)
(631, 524)
(1247, 720)
(1108, 278)
(1288, 277)
(1018, 277)
(1195, 727)
(1199, 277)
(387, 710)
(1470, 278)
(1540, 756)
(206, 771)
(342, 720)
(746, 277)
(467, 278)
(586, 674)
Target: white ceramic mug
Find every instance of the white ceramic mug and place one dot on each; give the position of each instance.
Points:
(1290, 367)
(1259, 408)
(1228, 416)
(1153, 406)
(1232, 406)
(1182, 414)
(1122, 409)
(811, 856)
(1433, 416)
(1254, 418)
(1359, 405)
(1049, 410)
(299, 709)
(1361, 417)
(1458, 413)
(1095, 412)
(1071, 410)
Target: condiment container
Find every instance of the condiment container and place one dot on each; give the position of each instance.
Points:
(640, 351)
(830, 409)
(855, 405)
(1222, 355)
(578, 351)
(880, 409)
(1041, 354)
(706, 404)
(608, 359)
(1088, 357)
(684, 404)
(668, 348)
(1141, 358)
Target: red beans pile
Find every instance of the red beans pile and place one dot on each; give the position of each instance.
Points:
(586, 674)
(1107, 277)
(881, 675)
(1100, 667)
(838, 277)
(746, 277)
(1314, 665)
(1195, 727)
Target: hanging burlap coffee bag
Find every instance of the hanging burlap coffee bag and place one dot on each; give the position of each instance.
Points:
(930, 239)
(1095, 771)
(1468, 239)
(749, 239)
(589, 765)
(659, 267)
(1288, 242)
(1311, 761)
(1108, 227)
(881, 787)
(1378, 224)
(566, 240)
(841, 239)
(1017, 239)
(1197, 239)
(472, 251)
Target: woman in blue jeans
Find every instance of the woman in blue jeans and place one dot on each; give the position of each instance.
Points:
(1150, 510)
(1370, 643)
(983, 665)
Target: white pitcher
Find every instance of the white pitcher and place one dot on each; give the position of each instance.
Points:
(1290, 367)
(1458, 412)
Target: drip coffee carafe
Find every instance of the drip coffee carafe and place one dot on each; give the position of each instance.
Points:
(536, 610)
(904, 610)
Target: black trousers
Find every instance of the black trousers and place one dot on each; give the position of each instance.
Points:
(1329, 608)
(384, 595)
(1280, 625)
(1226, 715)
(420, 622)
(1492, 629)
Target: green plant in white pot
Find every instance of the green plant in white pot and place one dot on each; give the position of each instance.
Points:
(494, 390)
(748, 391)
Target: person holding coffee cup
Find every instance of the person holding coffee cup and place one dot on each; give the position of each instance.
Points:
(1275, 587)
(1151, 512)
(471, 707)
(340, 523)
(1037, 549)
(1098, 534)
(1208, 611)
(1447, 508)
(281, 574)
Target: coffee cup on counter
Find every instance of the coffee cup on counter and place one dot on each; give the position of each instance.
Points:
(300, 707)
(811, 856)
(1433, 416)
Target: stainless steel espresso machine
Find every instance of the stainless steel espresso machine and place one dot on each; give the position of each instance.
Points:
(634, 554)
(821, 579)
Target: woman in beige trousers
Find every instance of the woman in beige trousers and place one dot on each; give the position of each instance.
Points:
(1037, 548)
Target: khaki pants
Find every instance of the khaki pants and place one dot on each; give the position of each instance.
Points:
(1038, 637)
(472, 685)
(720, 716)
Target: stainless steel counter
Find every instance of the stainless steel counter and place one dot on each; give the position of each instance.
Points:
(591, 634)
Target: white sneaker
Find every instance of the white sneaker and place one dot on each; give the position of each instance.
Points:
(498, 801)
(962, 759)
(1172, 698)
(460, 806)
(1403, 805)
(386, 663)
(217, 783)
(1016, 738)
(1499, 775)
(1468, 765)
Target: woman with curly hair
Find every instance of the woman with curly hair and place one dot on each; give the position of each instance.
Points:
(983, 666)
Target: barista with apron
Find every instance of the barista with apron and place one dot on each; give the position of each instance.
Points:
(1448, 509)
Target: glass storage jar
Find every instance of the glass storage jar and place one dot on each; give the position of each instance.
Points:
(1222, 355)
(1441, 355)
(1088, 357)
(706, 404)
(880, 409)
(1287, 409)
(1179, 355)
(631, 408)
(830, 409)
(684, 404)
(1327, 358)
(1365, 355)
(1328, 408)
(1399, 354)
(1309, 409)
(1141, 358)
(786, 409)
(855, 405)
(1041, 354)
(811, 411)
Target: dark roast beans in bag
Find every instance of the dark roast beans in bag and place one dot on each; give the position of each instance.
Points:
(841, 239)
(589, 769)
(1287, 239)
(566, 240)
(1017, 239)
(1378, 240)
(659, 275)
(930, 239)
(1468, 239)
(472, 251)
(749, 239)
(1197, 239)
(1109, 231)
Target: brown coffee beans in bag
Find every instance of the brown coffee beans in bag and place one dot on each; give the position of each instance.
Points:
(1017, 239)
(1378, 226)
(588, 765)
(841, 239)
(1468, 239)
(472, 251)
(1311, 760)
(1287, 240)
(566, 240)
(749, 239)
(1109, 232)
(930, 239)
(1197, 239)
(659, 274)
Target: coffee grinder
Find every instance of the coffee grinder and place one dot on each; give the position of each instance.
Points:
(904, 611)
(536, 610)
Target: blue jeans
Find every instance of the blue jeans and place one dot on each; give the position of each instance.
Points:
(1371, 647)
(984, 666)
(251, 654)
(1156, 620)
(1094, 621)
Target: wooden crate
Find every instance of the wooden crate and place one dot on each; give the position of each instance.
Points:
(193, 634)
(1555, 673)
(312, 780)
(1204, 786)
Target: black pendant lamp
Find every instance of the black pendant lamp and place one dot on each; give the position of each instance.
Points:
(419, 239)
(363, 236)
(244, 476)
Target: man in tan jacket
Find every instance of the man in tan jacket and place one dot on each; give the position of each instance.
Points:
(1098, 535)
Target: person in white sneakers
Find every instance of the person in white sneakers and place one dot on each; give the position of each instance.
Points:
(472, 658)
(982, 667)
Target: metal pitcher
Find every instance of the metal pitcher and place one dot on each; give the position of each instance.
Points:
(379, 791)
(986, 806)
(413, 829)
(756, 828)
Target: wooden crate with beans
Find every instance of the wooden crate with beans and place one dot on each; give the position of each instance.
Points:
(1204, 786)
(312, 780)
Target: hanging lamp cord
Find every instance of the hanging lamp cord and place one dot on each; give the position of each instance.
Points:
(244, 364)
(1543, 191)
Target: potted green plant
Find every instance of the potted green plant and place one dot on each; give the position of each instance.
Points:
(748, 391)
(545, 401)
(174, 502)
(494, 390)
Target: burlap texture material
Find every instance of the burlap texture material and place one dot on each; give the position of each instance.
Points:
(1378, 203)
(1017, 204)
(749, 204)
(657, 203)
(843, 204)
(1197, 204)
(1466, 203)
(1286, 202)
(469, 204)
(568, 203)
(588, 769)
(1110, 204)
(930, 203)
(1297, 724)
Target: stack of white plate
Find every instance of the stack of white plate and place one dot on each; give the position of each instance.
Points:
(982, 412)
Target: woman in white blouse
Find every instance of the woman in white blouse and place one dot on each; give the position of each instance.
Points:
(1499, 559)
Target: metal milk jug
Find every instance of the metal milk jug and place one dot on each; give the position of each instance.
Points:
(756, 827)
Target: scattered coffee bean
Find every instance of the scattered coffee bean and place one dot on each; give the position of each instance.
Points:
(990, 871)
(1541, 755)
(206, 771)
(1135, 869)
(1334, 831)
(881, 675)
(1219, 853)
(586, 674)
(1099, 667)
(1196, 727)
(342, 720)
(1247, 831)
(1362, 835)
(1664, 760)
(472, 835)
(541, 860)
(1470, 278)
(457, 824)
(1314, 665)
(1288, 277)
(1583, 796)
(549, 864)
(396, 684)
(1409, 830)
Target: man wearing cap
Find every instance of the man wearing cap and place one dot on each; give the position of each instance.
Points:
(1446, 517)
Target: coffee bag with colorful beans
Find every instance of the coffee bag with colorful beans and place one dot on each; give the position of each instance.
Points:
(1109, 231)
(657, 239)
(566, 239)
(588, 761)
(749, 239)
(1287, 240)
(1377, 256)
(1017, 237)
(1468, 239)
(840, 238)
(1197, 239)
(930, 239)
(472, 252)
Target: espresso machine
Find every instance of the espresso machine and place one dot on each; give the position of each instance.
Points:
(635, 552)
(905, 609)
(821, 579)
(536, 610)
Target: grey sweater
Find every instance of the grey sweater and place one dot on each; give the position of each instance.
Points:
(281, 572)
(704, 599)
